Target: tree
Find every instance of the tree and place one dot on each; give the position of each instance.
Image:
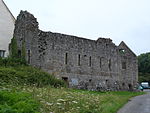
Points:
(144, 63)
(144, 67)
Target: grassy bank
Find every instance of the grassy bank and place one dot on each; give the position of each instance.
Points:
(27, 75)
(63, 100)
(17, 102)
(24, 89)
(77, 101)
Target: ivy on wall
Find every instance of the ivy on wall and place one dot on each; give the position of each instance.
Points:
(13, 48)
(15, 53)
(23, 51)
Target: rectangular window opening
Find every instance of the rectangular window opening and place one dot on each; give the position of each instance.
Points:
(79, 58)
(66, 58)
(100, 62)
(29, 56)
(90, 61)
(109, 64)
(124, 65)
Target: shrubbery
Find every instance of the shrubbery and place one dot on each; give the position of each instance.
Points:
(7, 62)
(144, 77)
(17, 102)
(144, 67)
(29, 76)
(14, 71)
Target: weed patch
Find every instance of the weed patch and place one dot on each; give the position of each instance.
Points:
(63, 100)
(28, 75)
(17, 102)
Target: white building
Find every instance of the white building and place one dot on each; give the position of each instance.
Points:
(7, 22)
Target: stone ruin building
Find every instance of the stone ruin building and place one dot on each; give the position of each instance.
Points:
(82, 63)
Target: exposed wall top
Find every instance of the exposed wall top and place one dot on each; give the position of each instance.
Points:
(28, 21)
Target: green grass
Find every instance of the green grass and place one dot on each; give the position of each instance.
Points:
(14, 76)
(28, 75)
(64, 100)
(24, 89)
(17, 102)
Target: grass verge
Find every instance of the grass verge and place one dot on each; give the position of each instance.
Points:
(63, 100)
(29, 76)
(17, 102)
(24, 89)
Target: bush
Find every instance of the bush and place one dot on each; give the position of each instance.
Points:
(16, 71)
(144, 77)
(17, 102)
(7, 62)
(28, 75)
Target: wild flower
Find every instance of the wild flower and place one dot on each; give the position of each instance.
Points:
(75, 102)
(49, 104)
(58, 103)
(70, 96)
(42, 101)
(61, 100)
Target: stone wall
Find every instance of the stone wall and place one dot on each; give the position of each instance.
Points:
(82, 63)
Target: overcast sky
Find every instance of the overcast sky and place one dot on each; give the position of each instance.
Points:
(120, 20)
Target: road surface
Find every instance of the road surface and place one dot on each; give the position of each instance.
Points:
(138, 104)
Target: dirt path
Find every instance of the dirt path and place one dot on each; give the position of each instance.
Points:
(139, 104)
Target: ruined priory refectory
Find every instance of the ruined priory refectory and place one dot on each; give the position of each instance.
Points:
(82, 63)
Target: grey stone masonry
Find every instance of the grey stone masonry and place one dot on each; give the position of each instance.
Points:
(83, 63)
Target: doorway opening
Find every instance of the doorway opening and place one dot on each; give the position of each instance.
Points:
(19, 53)
(66, 80)
(130, 87)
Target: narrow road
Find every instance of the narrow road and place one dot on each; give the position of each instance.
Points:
(138, 104)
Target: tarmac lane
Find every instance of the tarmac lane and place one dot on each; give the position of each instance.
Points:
(138, 104)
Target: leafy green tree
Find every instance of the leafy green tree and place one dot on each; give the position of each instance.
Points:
(144, 63)
(144, 67)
